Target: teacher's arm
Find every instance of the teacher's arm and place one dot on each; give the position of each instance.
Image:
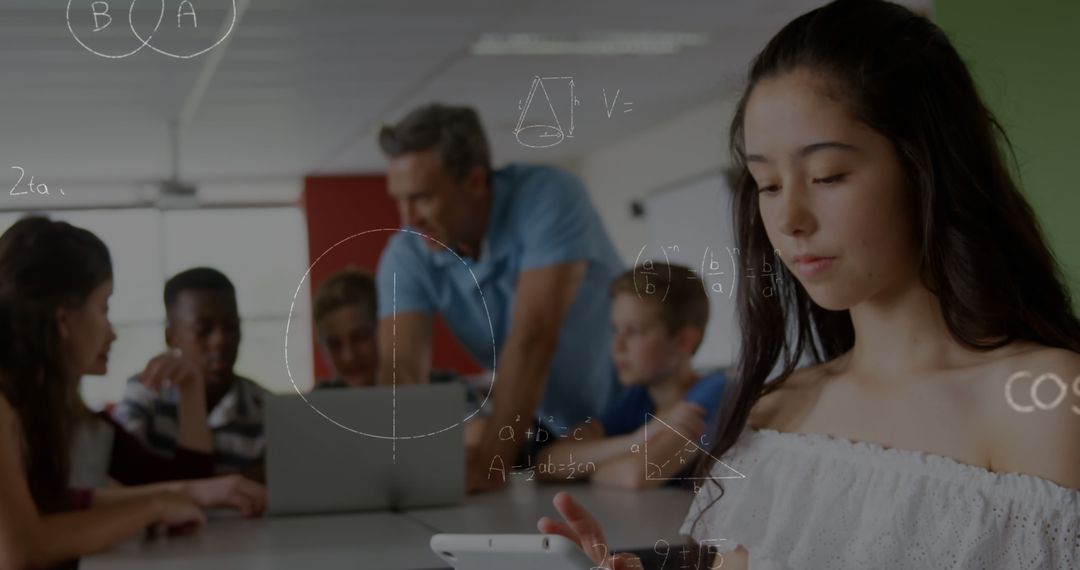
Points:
(542, 299)
(403, 285)
(405, 348)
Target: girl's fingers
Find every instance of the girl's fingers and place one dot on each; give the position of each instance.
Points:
(575, 515)
(260, 504)
(583, 524)
(255, 494)
(244, 504)
(548, 526)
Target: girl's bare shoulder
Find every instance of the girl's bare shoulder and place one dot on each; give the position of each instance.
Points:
(780, 407)
(1032, 408)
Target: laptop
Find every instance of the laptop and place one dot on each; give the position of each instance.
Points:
(409, 452)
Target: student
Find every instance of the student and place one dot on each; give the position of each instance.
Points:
(103, 453)
(917, 283)
(203, 324)
(102, 450)
(658, 319)
(345, 324)
(55, 281)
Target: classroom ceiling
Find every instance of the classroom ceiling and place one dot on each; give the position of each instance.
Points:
(302, 85)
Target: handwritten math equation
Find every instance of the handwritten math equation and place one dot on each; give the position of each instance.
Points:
(538, 434)
(1037, 401)
(719, 271)
(95, 19)
(30, 188)
(686, 558)
(547, 112)
(572, 469)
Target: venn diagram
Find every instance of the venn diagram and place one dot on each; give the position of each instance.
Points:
(96, 19)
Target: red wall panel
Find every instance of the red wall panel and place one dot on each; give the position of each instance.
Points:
(339, 207)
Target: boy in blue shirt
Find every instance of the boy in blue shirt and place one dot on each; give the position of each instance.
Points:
(651, 433)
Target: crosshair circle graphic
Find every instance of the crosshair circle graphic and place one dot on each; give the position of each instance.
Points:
(394, 437)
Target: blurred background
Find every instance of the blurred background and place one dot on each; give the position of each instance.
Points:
(242, 136)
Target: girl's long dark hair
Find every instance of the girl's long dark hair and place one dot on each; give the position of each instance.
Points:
(980, 247)
(44, 265)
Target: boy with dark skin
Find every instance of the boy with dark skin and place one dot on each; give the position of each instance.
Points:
(203, 329)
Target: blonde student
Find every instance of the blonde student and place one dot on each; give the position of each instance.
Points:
(653, 431)
(869, 410)
(345, 321)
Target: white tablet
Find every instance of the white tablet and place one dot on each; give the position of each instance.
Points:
(505, 551)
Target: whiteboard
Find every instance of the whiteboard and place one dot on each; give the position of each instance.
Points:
(691, 224)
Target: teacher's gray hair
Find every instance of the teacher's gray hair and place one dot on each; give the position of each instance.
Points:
(454, 131)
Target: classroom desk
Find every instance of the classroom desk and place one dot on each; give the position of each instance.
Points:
(364, 540)
(398, 541)
(632, 520)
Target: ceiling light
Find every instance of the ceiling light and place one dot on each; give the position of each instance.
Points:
(615, 43)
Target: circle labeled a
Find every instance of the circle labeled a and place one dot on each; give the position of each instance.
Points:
(191, 32)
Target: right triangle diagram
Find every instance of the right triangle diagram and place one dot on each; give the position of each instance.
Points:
(654, 471)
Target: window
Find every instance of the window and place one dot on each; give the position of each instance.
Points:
(262, 250)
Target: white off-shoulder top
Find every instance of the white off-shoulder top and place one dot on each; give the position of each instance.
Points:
(816, 501)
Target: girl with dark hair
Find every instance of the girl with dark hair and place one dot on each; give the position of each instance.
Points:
(55, 282)
(869, 413)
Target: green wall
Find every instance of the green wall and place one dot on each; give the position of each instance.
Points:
(1026, 60)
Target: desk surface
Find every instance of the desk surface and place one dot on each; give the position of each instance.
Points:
(366, 540)
(632, 521)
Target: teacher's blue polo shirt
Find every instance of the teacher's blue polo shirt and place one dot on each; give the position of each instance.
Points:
(540, 216)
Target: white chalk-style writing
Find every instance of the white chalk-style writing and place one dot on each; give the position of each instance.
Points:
(186, 18)
(501, 469)
(180, 13)
(542, 435)
(603, 548)
(539, 124)
(718, 561)
(627, 105)
(572, 469)
(31, 188)
(716, 275)
(104, 7)
(685, 454)
(1035, 395)
(662, 548)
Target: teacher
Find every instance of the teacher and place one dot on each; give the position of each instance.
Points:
(543, 262)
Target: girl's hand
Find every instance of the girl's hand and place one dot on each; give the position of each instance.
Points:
(178, 513)
(233, 491)
(583, 529)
